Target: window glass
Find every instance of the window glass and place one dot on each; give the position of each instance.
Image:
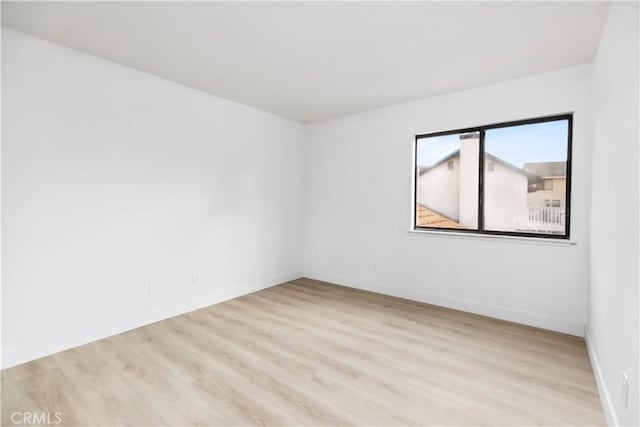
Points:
(447, 181)
(524, 157)
(509, 178)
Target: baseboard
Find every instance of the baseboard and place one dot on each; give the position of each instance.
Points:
(526, 318)
(605, 397)
(84, 335)
(69, 339)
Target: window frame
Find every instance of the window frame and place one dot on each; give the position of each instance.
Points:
(481, 130)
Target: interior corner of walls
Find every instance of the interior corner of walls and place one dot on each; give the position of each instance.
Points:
(109, 327)
(605, 397)
(114, 118)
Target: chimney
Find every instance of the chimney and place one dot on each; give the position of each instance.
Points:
(469, 152)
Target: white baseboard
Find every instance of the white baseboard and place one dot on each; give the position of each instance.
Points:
(605, 397)
(538, 320)
(89, 333)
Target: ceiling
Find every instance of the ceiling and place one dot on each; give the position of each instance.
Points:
(311, 61)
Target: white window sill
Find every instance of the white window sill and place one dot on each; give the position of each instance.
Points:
(515, 239)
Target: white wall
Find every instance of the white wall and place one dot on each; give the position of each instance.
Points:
(115, 181)
(613, 316)
(438, 189)
(505, 198)
(362, 163)
(469, 171)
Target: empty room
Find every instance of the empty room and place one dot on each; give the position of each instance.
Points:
(341, 213)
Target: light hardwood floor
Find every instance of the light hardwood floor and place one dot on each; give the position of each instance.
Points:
(311, 353)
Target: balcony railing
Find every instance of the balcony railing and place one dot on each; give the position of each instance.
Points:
(543, 220)
(546, 216)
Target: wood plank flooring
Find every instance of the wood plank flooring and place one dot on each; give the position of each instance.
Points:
(311, 353)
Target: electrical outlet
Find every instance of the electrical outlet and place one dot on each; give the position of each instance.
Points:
(625, 390)
(194, 279)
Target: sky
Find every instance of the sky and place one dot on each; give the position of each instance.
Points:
(538, 142)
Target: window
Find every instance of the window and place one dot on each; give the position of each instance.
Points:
(527, 159)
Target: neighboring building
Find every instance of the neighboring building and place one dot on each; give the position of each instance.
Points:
(450, 188)
(549, 192)
(531, 198)
(439, 187)
(505, 195)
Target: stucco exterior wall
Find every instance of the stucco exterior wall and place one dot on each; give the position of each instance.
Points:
(537, 198)
(439, 189)
(469, 152)
(505, 198)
